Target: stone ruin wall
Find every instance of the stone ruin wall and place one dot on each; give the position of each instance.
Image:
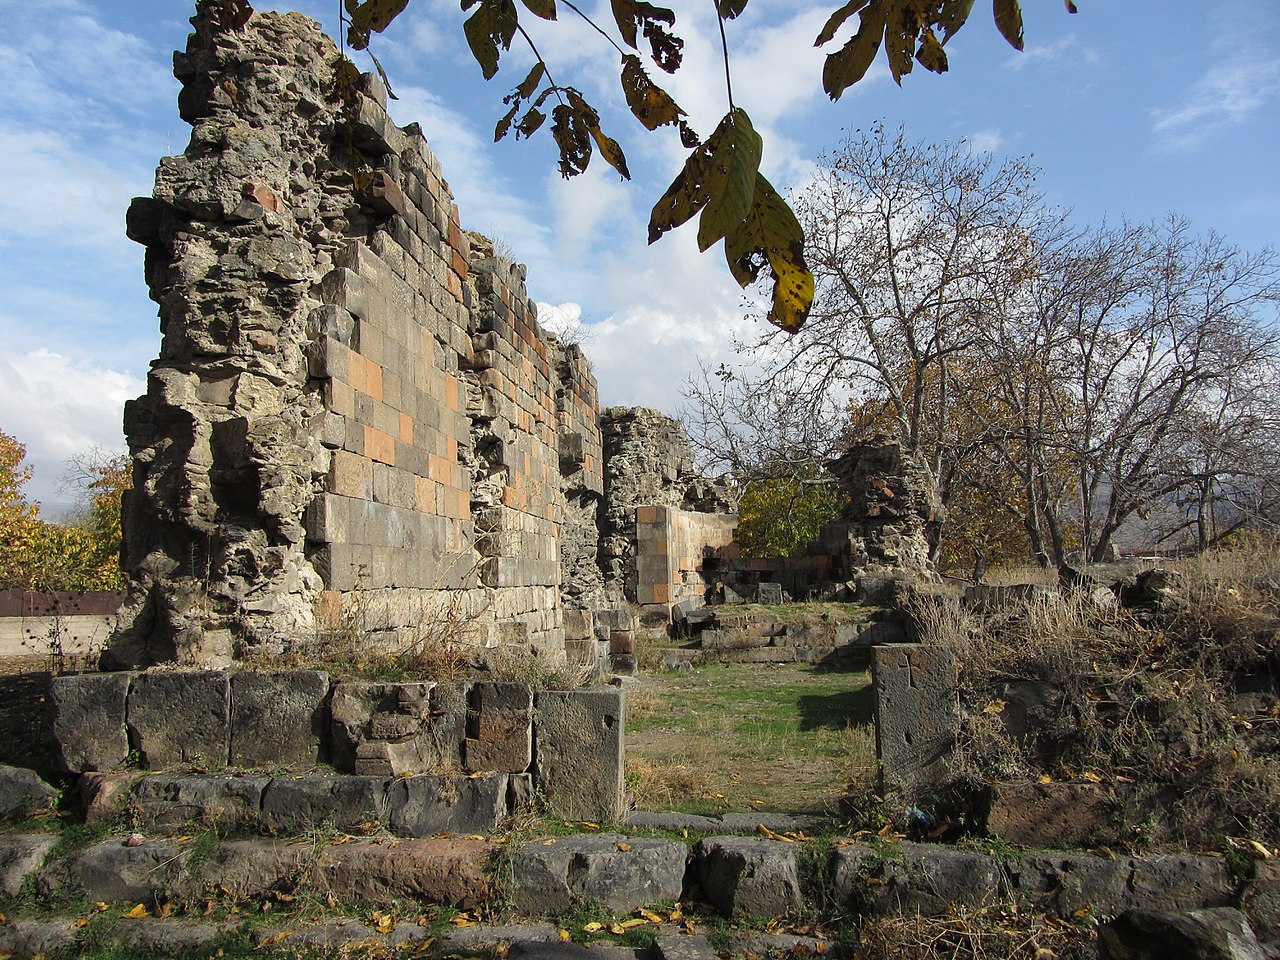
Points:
(354, 408)
(649, 463)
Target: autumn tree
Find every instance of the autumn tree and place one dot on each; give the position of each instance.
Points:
(36, 554)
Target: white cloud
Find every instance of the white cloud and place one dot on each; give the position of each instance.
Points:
(60, 407)
(1067, 49)
(986, 141)
(1228, 95)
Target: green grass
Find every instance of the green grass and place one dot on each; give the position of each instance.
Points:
(749, 737)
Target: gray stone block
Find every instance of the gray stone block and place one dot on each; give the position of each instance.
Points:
(579, 735)
(770, 593)
(1216, 934)
(916, 714)
(22, 792)
(180, 717)
(748, 877)
(169, 801)
(114, 871)
(252, 868)
(499, 728)
(343, 802)
(425, 806)
(36, 938)
(278, 719)
(914, 878)
(89, 720)
(622, 873)
(383, 729)
(21, 855)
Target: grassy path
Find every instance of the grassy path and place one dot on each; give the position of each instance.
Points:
(742, 737)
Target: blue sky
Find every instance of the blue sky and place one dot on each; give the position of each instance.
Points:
(1128, 111)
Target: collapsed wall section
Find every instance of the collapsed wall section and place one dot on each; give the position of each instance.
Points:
(649, 463)
(354, 411)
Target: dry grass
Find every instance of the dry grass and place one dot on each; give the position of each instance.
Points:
(985, 935)
(1178, 704)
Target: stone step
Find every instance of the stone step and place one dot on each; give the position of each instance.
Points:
(737, 875)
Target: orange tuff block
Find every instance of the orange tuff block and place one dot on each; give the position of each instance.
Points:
(351, 475)
(406, 428)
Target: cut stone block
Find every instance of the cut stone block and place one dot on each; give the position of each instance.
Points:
(449, 871)
(253, 868)
(89, 720)
(748, 877)
(424, 806)
(21, 855)
(278, 719)
(770, 593)
(1216, 934)
(499, 728)
(914, 878)
(169, 801)
(115, 872)
(181, 717)
(916, 713)
(579, 736)
(386, 729)
(343, 802)
(22, 792)
(621, 873)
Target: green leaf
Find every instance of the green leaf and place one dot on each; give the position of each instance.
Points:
(546, 9)
(730, 8)
(489, 31)
(770, 236)
(1009, 21)
(651, 105)
(705, 175)
(931, 56)
(730, 181)
(953, 16)
(850, 63)
(837, 19)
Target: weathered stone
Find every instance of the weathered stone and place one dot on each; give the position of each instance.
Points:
(621, 873)
(1261, 901)
(383, 729)
(682, 947)
(430, 871)
(21, 855)
(169, 936)
(115, 871)
(278, 719)
(168, 801)
(1054, 814)
(1216, 934)
(424, 806)
(22, 792)
(89, 720)
(769, 593)
(344, 802)
(579, 749)
(499, 728)
(36, 938)
(253, 868)
(748, 877)
(180, 717)
(916, 713)
(1065, 884)
(914, 878)
(104, 794)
